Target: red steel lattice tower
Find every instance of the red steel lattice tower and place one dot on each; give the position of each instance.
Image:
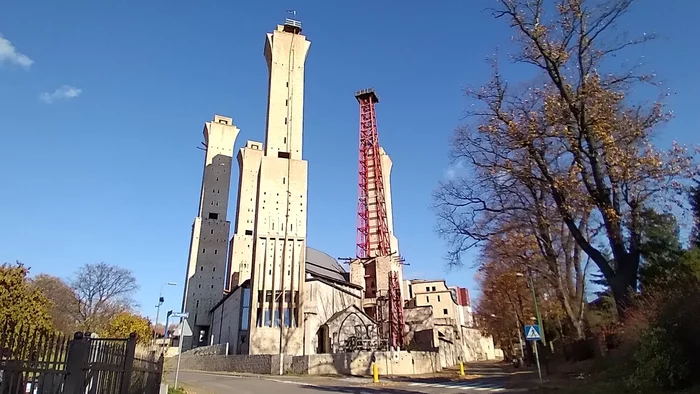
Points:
(373, 237)
(372, 223)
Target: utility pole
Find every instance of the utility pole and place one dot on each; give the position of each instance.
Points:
(160, 302)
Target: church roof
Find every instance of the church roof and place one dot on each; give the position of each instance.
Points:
(320, 263)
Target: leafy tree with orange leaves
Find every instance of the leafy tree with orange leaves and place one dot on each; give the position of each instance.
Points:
(21, 305)
(125, 323)
(571, 136)
(551, 256)
(503, 307)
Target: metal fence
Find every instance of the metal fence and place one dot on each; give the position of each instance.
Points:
(38, 362)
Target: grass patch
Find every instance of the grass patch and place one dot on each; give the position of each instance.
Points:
(607, 376)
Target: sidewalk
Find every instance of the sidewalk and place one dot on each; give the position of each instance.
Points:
(509, 376)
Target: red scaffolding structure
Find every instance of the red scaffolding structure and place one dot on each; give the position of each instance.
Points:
(372, 223)
(373, 238)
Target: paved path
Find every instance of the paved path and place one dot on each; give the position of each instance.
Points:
(213, 383)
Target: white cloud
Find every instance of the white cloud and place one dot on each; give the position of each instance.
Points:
(453, 170)
(65, 92)
(9, 54)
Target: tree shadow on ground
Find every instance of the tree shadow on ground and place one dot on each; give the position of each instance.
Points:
(358, 390)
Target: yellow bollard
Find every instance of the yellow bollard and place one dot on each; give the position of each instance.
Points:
(461, 368)
(375, 372)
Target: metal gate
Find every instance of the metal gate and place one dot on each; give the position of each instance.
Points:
(37, 362)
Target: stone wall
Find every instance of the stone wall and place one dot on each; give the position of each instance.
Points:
(213, 350)
(359, 363)
(257, 364)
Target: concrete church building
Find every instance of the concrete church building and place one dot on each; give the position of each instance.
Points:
(270, 290)
(266, 293)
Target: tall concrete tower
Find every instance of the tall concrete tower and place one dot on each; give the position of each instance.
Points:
(269, 242)
(206, 267)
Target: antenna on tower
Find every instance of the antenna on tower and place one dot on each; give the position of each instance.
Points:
(292, 25)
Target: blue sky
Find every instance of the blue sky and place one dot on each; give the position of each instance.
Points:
(101, 118)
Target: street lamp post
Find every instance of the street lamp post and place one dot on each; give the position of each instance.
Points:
(537, 309)
(160, 302)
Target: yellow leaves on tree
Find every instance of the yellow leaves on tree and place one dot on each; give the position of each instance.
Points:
(568, 144)
(124, 323)
(21, 305)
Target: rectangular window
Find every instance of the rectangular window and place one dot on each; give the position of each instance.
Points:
(438, 296)
(283, 155)
(285, 120)
(427, 288)
(246, 298)
(263, 318)
(433, 288)
(249, 232)
(284, 180)
(289, 318)
(214, 216)
(427, 298)
(276, 322)
(285, 140)
(444, 311)
(244, 318)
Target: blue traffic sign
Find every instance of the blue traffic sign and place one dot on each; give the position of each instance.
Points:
(180, 314)
(532, 333)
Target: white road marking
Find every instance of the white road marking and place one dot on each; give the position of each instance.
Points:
(293, 382)
(462, 386)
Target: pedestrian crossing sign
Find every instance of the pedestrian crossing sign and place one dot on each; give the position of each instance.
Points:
(532, 333)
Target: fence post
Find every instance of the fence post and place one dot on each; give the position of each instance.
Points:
(78, 352)
(159, 374)
(128, 363)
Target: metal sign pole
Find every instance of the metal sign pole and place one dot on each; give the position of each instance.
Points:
(185, 331)
(537, 358)
(179, 356)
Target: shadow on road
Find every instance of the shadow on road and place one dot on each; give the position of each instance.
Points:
(358, 390)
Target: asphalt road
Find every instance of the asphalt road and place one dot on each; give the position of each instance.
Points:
(212, 383)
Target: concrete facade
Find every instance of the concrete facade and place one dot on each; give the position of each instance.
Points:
(436, 294)
(437, 319)
(323, 300)
(269, 242)
(207, 263)
(230, 320)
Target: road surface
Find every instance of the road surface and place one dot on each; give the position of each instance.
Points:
(220, 383)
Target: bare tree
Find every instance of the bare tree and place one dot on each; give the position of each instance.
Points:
(102, 291)
(64, 308)
(571, 136)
